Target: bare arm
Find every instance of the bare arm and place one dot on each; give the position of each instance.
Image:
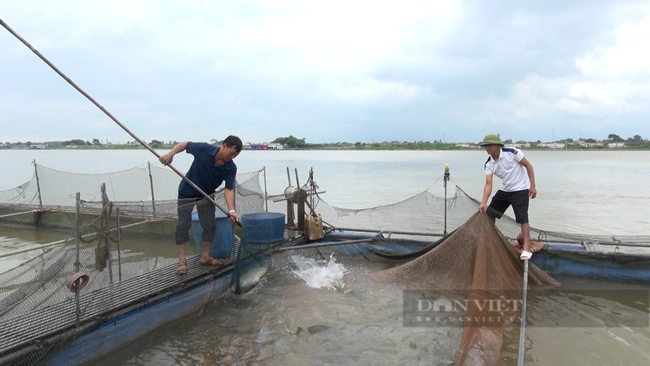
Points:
(487, 191)
(169, 157)
(531, 176)
(229, 196)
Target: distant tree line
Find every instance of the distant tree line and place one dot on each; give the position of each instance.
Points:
(292, 142)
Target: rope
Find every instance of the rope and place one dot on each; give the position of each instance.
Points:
(15, 214)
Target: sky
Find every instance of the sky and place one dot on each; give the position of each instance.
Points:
(326, 71)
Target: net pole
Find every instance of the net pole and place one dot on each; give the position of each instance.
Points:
(153, 198)
(107, 242)
(119, 241)
(266, 196)
(446, 179)
(522, 327)
(38, 185)
(106, 211)
(77, 263)
(144, 144)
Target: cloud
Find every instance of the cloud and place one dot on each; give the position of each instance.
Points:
(327, 72)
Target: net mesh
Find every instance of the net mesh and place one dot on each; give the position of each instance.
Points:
(478, 264)
(140, 257)
(150, 191)
(118, 251)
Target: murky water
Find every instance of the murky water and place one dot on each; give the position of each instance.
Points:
(284, 321)
(19, 238)
(597, 192)
(317, 309)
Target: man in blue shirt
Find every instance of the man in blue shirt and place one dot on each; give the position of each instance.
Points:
(517, 185)
(212, 166)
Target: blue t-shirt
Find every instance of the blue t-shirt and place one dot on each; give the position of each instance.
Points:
(204, 173)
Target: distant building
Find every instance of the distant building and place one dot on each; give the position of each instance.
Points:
(615, 145)
(275, 146)
(259, 147)
(520, 145)
(553, 145)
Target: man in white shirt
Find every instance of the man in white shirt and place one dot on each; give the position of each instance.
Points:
(517, 185)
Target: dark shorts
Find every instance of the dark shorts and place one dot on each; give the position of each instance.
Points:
(518, 200)
(206, 211)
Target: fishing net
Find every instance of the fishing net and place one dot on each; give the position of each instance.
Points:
(253, 257)
(43, 295)
(126, 246)
(477, 264)
(433, 213)
(114, 256)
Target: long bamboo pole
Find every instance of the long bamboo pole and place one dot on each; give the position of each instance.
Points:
(72, 83)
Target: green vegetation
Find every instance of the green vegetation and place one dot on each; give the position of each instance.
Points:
(85, 145)
(291, 142)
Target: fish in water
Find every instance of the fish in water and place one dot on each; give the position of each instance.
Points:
(311, 330)
(248, 279)
(317, 329)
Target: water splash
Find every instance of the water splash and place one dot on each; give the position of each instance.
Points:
(319, 274)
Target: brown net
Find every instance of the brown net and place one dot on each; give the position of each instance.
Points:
(479, 264)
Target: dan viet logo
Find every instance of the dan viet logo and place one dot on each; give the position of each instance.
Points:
(433, 308)
(445, 305)
(444, 311)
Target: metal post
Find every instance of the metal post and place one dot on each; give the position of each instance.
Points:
(290, 214)
(266, 202)
(119, 241)
(108, 205)
(300, 198)
(446, 179)
(153, 199)
(38, 185)
(107, 241)
(77, 263)
(522, 326)
(313, 191)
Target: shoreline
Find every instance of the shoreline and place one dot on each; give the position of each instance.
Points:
(328, 148)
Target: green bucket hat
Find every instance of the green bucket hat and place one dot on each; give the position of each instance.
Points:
(491, 139)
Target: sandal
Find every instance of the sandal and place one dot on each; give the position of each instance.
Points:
(211, 262)
(182, 268)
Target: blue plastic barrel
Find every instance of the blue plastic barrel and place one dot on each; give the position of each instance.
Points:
(263, 227)
(221, 246)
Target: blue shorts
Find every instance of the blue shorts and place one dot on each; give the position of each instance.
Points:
(518, 200)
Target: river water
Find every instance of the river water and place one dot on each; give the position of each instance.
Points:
(283, 321)
(598, 192)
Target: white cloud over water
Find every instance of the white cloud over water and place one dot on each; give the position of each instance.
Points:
(327, 71)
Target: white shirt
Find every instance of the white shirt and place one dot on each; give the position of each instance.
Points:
(514, 176)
